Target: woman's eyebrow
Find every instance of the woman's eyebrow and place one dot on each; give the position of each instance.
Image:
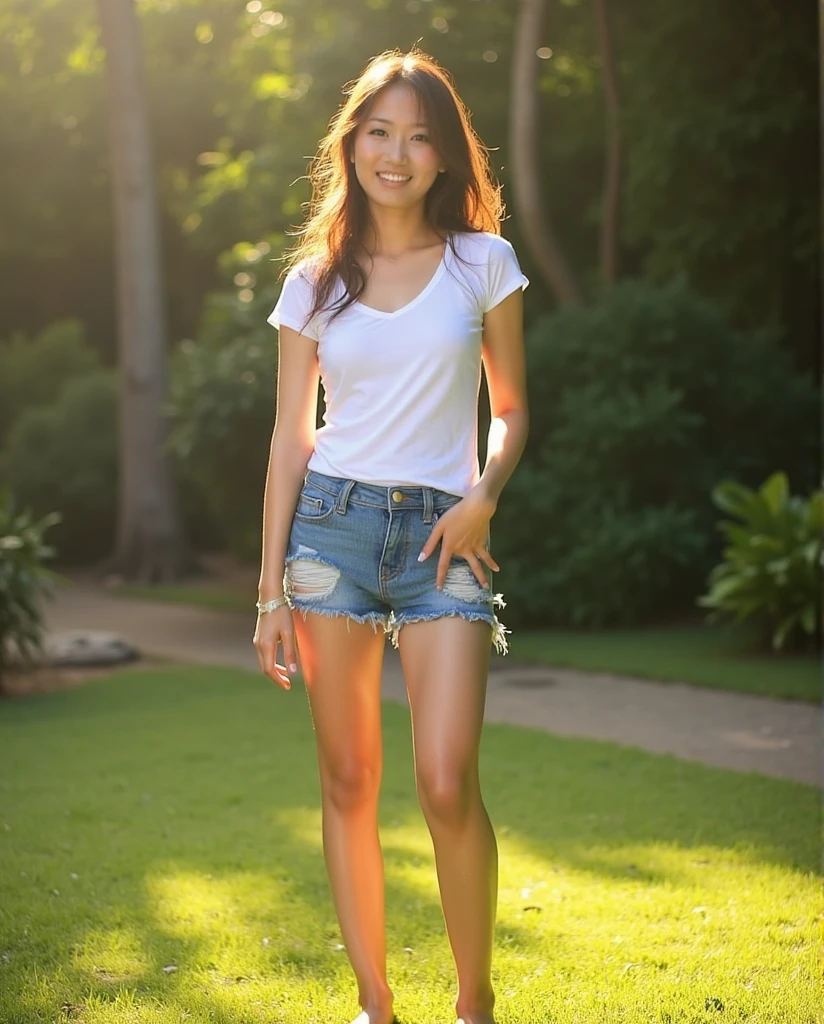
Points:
(385, 120)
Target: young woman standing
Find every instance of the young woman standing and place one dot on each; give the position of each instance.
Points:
(400, 287)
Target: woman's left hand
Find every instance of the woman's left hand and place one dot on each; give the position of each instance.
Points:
(463, 531)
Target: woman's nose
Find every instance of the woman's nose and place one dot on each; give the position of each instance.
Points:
(398, 149)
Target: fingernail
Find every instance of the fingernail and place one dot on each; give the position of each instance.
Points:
(293, 668)
(421, 557)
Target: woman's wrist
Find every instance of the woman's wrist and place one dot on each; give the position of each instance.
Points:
(269, 589)
(482, 492)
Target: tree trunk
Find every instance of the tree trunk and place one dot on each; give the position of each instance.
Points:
(150, 544)
(526, 178)
(610, 210)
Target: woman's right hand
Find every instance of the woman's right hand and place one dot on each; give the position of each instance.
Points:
(273, 628)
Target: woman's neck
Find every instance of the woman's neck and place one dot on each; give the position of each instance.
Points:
(394, 232)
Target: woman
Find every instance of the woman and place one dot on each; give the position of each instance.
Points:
(400, 286)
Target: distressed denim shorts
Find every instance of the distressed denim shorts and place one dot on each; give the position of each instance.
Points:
(353, 551)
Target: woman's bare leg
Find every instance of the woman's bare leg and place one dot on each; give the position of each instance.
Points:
(445, 662)
(341, 661)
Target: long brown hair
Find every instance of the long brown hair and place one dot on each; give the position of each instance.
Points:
(465, 198)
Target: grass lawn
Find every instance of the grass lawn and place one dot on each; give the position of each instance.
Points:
(716, 656)
(160, 862)
(719, 657)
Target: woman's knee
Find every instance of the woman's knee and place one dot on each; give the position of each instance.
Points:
(351, 785)
(446, 794)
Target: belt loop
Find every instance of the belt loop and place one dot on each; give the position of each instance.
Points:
(427, 504)
(343, 497)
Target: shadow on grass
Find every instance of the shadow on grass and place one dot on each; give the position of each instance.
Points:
(171, 820)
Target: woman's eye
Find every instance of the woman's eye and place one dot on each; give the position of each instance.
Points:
(419, 136)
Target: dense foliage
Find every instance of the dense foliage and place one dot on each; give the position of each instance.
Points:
(63, 455)
(58, 442)
(639, 405)
(34, 370)
(221, 407)
(720, 155)
(24, 580)
(771, 573)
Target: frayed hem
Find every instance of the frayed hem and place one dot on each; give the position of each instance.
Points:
(499, 630)
(373, 618)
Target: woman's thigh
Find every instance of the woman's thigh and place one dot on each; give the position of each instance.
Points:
(342, 662)
(445, 663)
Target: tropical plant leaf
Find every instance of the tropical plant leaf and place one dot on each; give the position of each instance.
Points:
(771, 570)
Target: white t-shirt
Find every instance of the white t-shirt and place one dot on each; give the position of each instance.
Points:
(402, 388)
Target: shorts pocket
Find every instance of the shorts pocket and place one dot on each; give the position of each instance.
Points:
(442, 509)
(314, 506)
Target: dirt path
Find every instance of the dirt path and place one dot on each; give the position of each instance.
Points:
(736, 731)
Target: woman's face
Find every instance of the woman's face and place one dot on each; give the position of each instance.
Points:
(394, 161)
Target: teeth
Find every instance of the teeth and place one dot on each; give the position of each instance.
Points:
(394, 177)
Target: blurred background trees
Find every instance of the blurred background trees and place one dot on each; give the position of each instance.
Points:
(150, 544)
(677, 143)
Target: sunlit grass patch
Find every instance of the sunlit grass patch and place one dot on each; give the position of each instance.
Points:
(161, 861)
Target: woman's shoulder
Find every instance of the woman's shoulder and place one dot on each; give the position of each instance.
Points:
(489, 265)
(484, 245)
(305, 269)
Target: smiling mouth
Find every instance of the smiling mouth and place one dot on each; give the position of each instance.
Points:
(394, 179)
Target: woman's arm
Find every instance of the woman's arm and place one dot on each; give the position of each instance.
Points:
(293, 440)
(464, 529)
(505, 366)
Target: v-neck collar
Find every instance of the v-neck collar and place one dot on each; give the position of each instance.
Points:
(439, 272)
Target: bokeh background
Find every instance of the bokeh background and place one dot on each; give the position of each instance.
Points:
(652, 750)
(660, 168)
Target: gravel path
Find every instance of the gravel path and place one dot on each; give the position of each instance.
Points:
(728, 730)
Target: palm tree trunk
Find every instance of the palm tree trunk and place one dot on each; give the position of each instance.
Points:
(149, 543)
(610, 216)
(526, 178)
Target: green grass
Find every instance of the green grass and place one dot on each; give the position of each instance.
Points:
(718, 657)
(169, 818)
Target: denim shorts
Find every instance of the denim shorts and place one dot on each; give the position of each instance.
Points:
(353, 551)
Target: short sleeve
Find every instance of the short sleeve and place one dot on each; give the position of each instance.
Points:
(505, 274)
(294, 304)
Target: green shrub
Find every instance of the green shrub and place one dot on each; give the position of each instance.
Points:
(221, 405)
(23, 580)
(770, 573)
(638, 406)
(64, 456)
(33, 372)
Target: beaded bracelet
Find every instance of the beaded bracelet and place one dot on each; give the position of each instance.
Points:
(269, 606)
